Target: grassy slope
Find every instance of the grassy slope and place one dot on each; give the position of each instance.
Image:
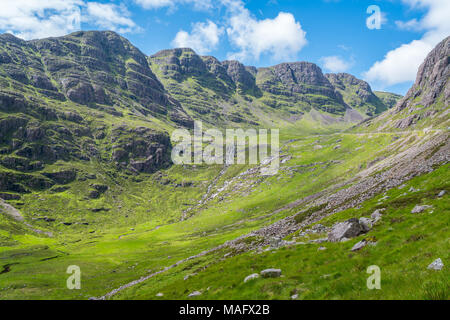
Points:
(406, 244)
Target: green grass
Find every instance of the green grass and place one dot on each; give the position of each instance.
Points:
(142, 232)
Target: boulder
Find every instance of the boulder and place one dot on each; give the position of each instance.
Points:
(348, 229)
(441, 194)
(271, 273)
(251, 277)
(195, 294)
(376, 215)
(436, 265)
(420, 209)
(360, 245)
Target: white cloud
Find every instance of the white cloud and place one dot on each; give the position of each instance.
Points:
(335, 64)
(110, 17)
(412, 24)
(29, 19)
(33, 19)
(156, 4)
(203, 38)
(282, 37)
(401, 64)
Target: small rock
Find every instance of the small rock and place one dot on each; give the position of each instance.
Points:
(359, 245)
(436, 265)
(251, 277)
(294, 297)
(321, 240)
(441, 194)
(195, 294)
(376, 215)
(160, 294)
(189, 276)
(321, 249)
(412, 189)
(319, 228)
(420, 209)
(271, 273)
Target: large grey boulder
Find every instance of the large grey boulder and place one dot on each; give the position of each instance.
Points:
(348, 229)
(271, 273)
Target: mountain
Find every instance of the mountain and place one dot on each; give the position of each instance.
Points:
(86, 177)
(230, 93)
(426, 103)
(389, 99)
(358, 94)
(93, 96)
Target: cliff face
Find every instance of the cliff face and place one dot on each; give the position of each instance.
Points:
(426, 103)
(432, 82)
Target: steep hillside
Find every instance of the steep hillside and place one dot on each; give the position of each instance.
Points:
(357, 94)
(389, 99)
(426, 103)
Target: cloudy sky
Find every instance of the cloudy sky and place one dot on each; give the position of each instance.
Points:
(332, 33)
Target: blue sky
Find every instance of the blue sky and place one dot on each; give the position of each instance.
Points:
(331, 33)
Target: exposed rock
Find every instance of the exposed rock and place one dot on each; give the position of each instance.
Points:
(360, 245)
(420, 209)
(189, 276)
(9, 196)
(62, 177)
(436, 265)
(319, 228)
(160, 294)
(195, 294)
(348, 229)
(376, 215)
(366, 224)
(271, 273)
(141, 149)
(251, 277)
(441, 194)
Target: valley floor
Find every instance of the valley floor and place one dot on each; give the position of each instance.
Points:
(205, 229)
